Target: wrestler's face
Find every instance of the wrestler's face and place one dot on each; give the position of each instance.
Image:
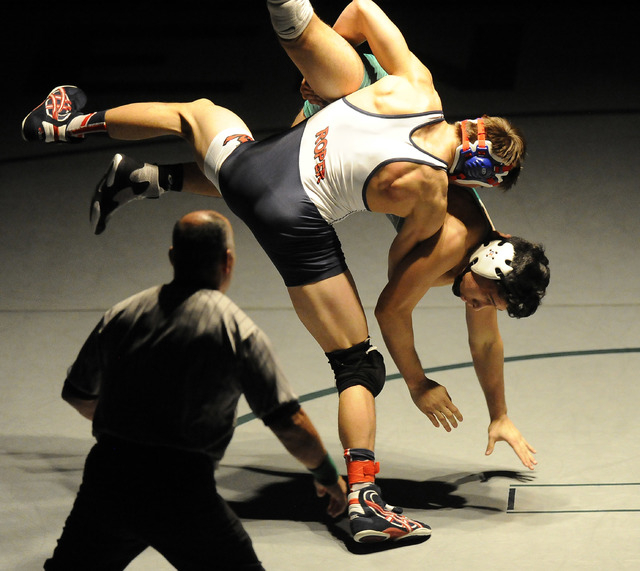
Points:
(478, 292)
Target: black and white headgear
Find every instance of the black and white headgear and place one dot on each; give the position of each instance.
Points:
(493, 260)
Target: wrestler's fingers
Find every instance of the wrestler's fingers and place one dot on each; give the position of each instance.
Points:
(451, 417)
(445, 421)
(434, 419)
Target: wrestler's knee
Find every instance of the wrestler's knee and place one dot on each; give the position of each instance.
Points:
(193, 115)
(177, 118)
(361, 365)
(201, 120)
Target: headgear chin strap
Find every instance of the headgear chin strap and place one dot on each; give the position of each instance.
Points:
(493, 260)
(474, 164)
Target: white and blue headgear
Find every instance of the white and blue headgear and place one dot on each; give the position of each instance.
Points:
(493, 260)
(474, 164)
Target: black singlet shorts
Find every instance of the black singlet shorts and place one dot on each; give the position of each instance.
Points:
(260, 182)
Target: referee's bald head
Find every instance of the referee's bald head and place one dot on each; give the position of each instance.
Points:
(202, 243)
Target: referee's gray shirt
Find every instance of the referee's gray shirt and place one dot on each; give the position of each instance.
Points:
(169, 365)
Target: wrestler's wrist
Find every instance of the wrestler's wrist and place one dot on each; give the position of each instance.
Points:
(326, 473)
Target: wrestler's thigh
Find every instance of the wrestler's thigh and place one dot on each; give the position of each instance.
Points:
(203, 121)
(331, 65)
(331, 311)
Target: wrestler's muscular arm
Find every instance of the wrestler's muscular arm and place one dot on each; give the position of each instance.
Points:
(415, 192)
(426, 215)
(363, 20)
(487, 352)
(422, 269)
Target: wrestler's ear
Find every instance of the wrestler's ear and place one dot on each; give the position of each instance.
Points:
(496, 235)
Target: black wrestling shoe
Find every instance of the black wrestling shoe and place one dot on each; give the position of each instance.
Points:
(126, 180)
(373, 520)
(48, 122)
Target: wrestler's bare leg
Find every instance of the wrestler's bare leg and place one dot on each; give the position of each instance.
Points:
(196, 182)
(332, 312)
(331, 65)
(197, 122)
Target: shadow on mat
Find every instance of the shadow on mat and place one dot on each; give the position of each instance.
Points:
(293, 499)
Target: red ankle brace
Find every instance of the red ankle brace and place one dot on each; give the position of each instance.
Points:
(360, 471)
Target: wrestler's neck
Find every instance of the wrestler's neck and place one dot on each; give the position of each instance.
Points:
(439, 140)
(462, 206)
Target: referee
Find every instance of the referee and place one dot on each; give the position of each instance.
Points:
(160, 376)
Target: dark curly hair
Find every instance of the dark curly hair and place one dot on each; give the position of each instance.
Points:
(525, 286)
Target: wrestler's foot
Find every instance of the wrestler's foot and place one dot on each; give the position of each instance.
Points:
(126, 180)
(373, 520)
(49, 121)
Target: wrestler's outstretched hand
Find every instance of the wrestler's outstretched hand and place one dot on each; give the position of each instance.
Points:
(502, 429)
(434, 401)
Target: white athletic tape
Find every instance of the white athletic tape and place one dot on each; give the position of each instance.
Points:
(290, 18)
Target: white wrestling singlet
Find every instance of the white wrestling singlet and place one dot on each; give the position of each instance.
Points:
(343, 146)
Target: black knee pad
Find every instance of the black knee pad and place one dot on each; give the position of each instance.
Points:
(361, 364)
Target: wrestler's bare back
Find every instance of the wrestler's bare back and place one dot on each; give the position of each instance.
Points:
(401, 187)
